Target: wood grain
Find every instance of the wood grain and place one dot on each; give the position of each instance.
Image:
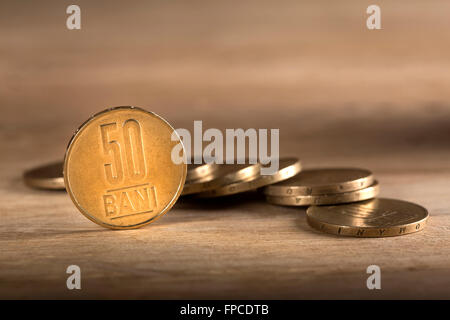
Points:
(340, 94)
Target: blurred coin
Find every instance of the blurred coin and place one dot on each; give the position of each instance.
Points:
(322, 181)
(372, 218)
(118, 168)
(333, 198)
(199, 171)
(225, 174)
(49, 176)
(288, 167)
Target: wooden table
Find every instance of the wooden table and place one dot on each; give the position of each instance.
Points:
(340, 94)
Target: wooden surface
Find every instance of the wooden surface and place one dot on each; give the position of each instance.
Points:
(340, 94)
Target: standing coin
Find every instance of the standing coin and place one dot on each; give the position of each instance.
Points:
(224, 175)
(326, 199)
(288, 167)
(49, 176)
(373, 218)
(322, 181)
(118, 168)
(199, 171)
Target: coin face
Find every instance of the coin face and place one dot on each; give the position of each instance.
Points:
(326, 199)
(373, 218)
(118, 168)
(322, 181)
(49, 176)
(288, 167)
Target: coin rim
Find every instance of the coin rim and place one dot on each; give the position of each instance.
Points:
(56, 183)
(244, 186)
(81, 209)
(311, 200)
(194, 174)
(342, 187)
(331, 227)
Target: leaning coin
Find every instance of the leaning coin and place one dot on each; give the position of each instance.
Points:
(118, 168)
(372, 218)
(199, 185)
(288, 167)
(325, 199)
(199, 171)
(322, 181)
(49, 176)
(224, 175)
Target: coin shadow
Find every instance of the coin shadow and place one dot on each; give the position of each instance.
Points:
(218, 203)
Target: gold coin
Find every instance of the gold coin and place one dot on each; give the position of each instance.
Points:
(372, 218)
(224, 175)
(49, 176)
(199, 171)
(333, 198)
(199, 185)
(118, 168)
(288, 167)
(322, 181)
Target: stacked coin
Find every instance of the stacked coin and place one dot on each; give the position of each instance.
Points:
(288, 167)
(342, 202)
(223, 175)
(205, 179)
(324, 186)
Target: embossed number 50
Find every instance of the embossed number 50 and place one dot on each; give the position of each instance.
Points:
(134, 151)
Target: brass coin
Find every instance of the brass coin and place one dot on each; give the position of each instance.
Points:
(322, 181)
(224, 175)
(288, 167)
(118, 168)
(325, 199)
(49, 176)
(372, 218)
(199, 171)
(199, 185)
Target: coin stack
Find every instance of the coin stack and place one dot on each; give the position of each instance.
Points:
(228, 179)
(141, 188)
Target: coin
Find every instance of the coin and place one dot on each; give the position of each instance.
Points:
(333, 198)
(199, 185)
(372, 218)
(49, 176)
(322, 181)
(118, 168)
(224, 175)
(288, 167)
(199, 171)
